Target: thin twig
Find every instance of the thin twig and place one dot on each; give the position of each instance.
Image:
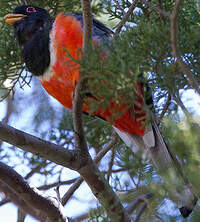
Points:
(180, 103)
(175, 46)
(79, 180)
(141, 211)
(109, 146)
(165, 108)
(36, 169)
(87, 22)
(79, 134)
(143, 198)
(59, 183)
(71, 190)
(109, 172)
(21, 215)
(125, 18)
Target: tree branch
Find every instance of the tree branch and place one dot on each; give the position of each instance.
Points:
(141, 211)
(182, 106)
(16, 199)
(29, 195)
(89, 171)
(79, 180)
(165, 108)
(143, 198)
(56, 184)
(126, 17)
(79, 135)
(175, 46)
(21, 215)
(42, 148)
(110, 165)
(71, 191)
(87, 21)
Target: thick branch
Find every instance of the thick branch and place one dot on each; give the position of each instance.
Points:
(104, 193)
(16, 199)
(42, 148)
(33, 198)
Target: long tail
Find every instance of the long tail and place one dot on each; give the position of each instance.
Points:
(156, 149)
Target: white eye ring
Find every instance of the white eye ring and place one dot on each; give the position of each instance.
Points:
(30, 9)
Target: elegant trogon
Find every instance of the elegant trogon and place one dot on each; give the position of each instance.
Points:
(50, 48)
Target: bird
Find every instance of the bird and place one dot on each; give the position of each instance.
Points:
(48, 46)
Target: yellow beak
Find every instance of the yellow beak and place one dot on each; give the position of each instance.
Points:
(12, 18)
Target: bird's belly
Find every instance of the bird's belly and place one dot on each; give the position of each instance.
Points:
(60, 88)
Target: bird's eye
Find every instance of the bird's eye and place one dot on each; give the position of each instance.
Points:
(30, 9)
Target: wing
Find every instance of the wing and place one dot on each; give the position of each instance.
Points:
(100, 31)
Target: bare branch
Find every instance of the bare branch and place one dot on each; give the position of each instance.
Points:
(175, 46)
(83, 164)
(36, 169)
(16, 199)
(99, 156)
(104, 193)
(71, 190)
(21, 215)
(37, 146)
(108, 147)
(21, 188)
(126, 17)
(59, 183)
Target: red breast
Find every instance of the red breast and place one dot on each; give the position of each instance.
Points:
(63, 73)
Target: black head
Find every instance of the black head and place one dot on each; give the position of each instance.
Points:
(27, 20)
(32, 26)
